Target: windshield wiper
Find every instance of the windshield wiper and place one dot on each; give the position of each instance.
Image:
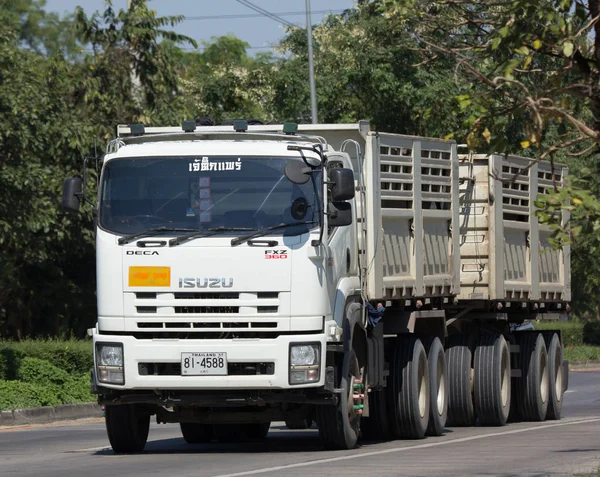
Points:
(266, 231)
(206, 233)
(153, 231)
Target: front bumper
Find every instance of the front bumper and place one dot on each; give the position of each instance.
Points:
(239, 351)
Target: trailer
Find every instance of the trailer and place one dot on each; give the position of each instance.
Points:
(367, 281)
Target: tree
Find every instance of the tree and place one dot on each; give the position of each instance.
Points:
(58, 109)
(533, 72)
(224, 82)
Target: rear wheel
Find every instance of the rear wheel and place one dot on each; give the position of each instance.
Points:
(461, 409)
(195, 433)
(533, 386)
(408, 387)
(339, 424)
(127, 426)
(436, 360)
(492, 380)
(555, 359)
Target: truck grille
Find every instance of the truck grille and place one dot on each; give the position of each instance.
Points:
(206, 314)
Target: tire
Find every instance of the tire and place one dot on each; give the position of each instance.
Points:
(492, 380)
(461, 408)
(555, 371)
(533, 386)
(258, 430)
(408, 386)
(195, 433)
(127, 426)
(438, 391)
(339, 424)
(298, 424)
(376, 427)
(236, 433)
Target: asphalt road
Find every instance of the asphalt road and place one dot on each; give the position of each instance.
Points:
(567, 447)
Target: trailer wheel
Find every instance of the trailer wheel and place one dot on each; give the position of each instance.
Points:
(533, 387)
(461, 409)
(339, 424)
(555, 359)
(436, 359)
(409, 397)
(196, 433)
(127, 426)
(376, 427)
(298, 424)
(492, 380)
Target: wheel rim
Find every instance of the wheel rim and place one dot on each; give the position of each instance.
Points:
(544, 388)
(355, 402)
(422, 387)
(557, 376)
(441, 386)
(505, 379)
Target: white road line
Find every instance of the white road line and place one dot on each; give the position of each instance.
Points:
(92, 449)
(265, 470)
(571, 391)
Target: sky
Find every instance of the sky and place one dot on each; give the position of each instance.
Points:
(257, 30)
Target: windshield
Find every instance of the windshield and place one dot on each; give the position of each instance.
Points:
(202, 193)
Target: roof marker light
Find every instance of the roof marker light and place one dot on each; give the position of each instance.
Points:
(188, 125)
(240, 125)
(137, 129)
(290, 128)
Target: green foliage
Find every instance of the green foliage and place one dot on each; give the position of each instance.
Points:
(571, 331)
(59, 374)
(19, 395)
(582, 353)
(73, 357)
(591, 333)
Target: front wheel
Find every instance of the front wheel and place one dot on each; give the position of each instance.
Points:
(339, 425)
(127, 426)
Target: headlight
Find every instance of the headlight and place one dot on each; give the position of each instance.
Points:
(110, 355)
(304, 355)
(109, 358)
(305, 360)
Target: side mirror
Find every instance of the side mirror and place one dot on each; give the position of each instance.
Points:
(340, 214)
(72, 194)
(343, 184)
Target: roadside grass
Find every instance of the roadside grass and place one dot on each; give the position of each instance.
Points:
(579, 339)
(38, 372)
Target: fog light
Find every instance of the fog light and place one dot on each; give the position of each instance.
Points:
(110, 375)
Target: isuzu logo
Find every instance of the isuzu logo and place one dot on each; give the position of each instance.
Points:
(205, 282)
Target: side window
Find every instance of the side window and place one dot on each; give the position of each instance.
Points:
(331, 166)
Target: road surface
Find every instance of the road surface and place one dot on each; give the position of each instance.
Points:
(567, 447)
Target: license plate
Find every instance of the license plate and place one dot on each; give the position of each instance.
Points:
(203, 364)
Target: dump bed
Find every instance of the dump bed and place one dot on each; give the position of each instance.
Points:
(505, 252)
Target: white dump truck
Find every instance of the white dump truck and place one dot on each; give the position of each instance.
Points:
(369, 282)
